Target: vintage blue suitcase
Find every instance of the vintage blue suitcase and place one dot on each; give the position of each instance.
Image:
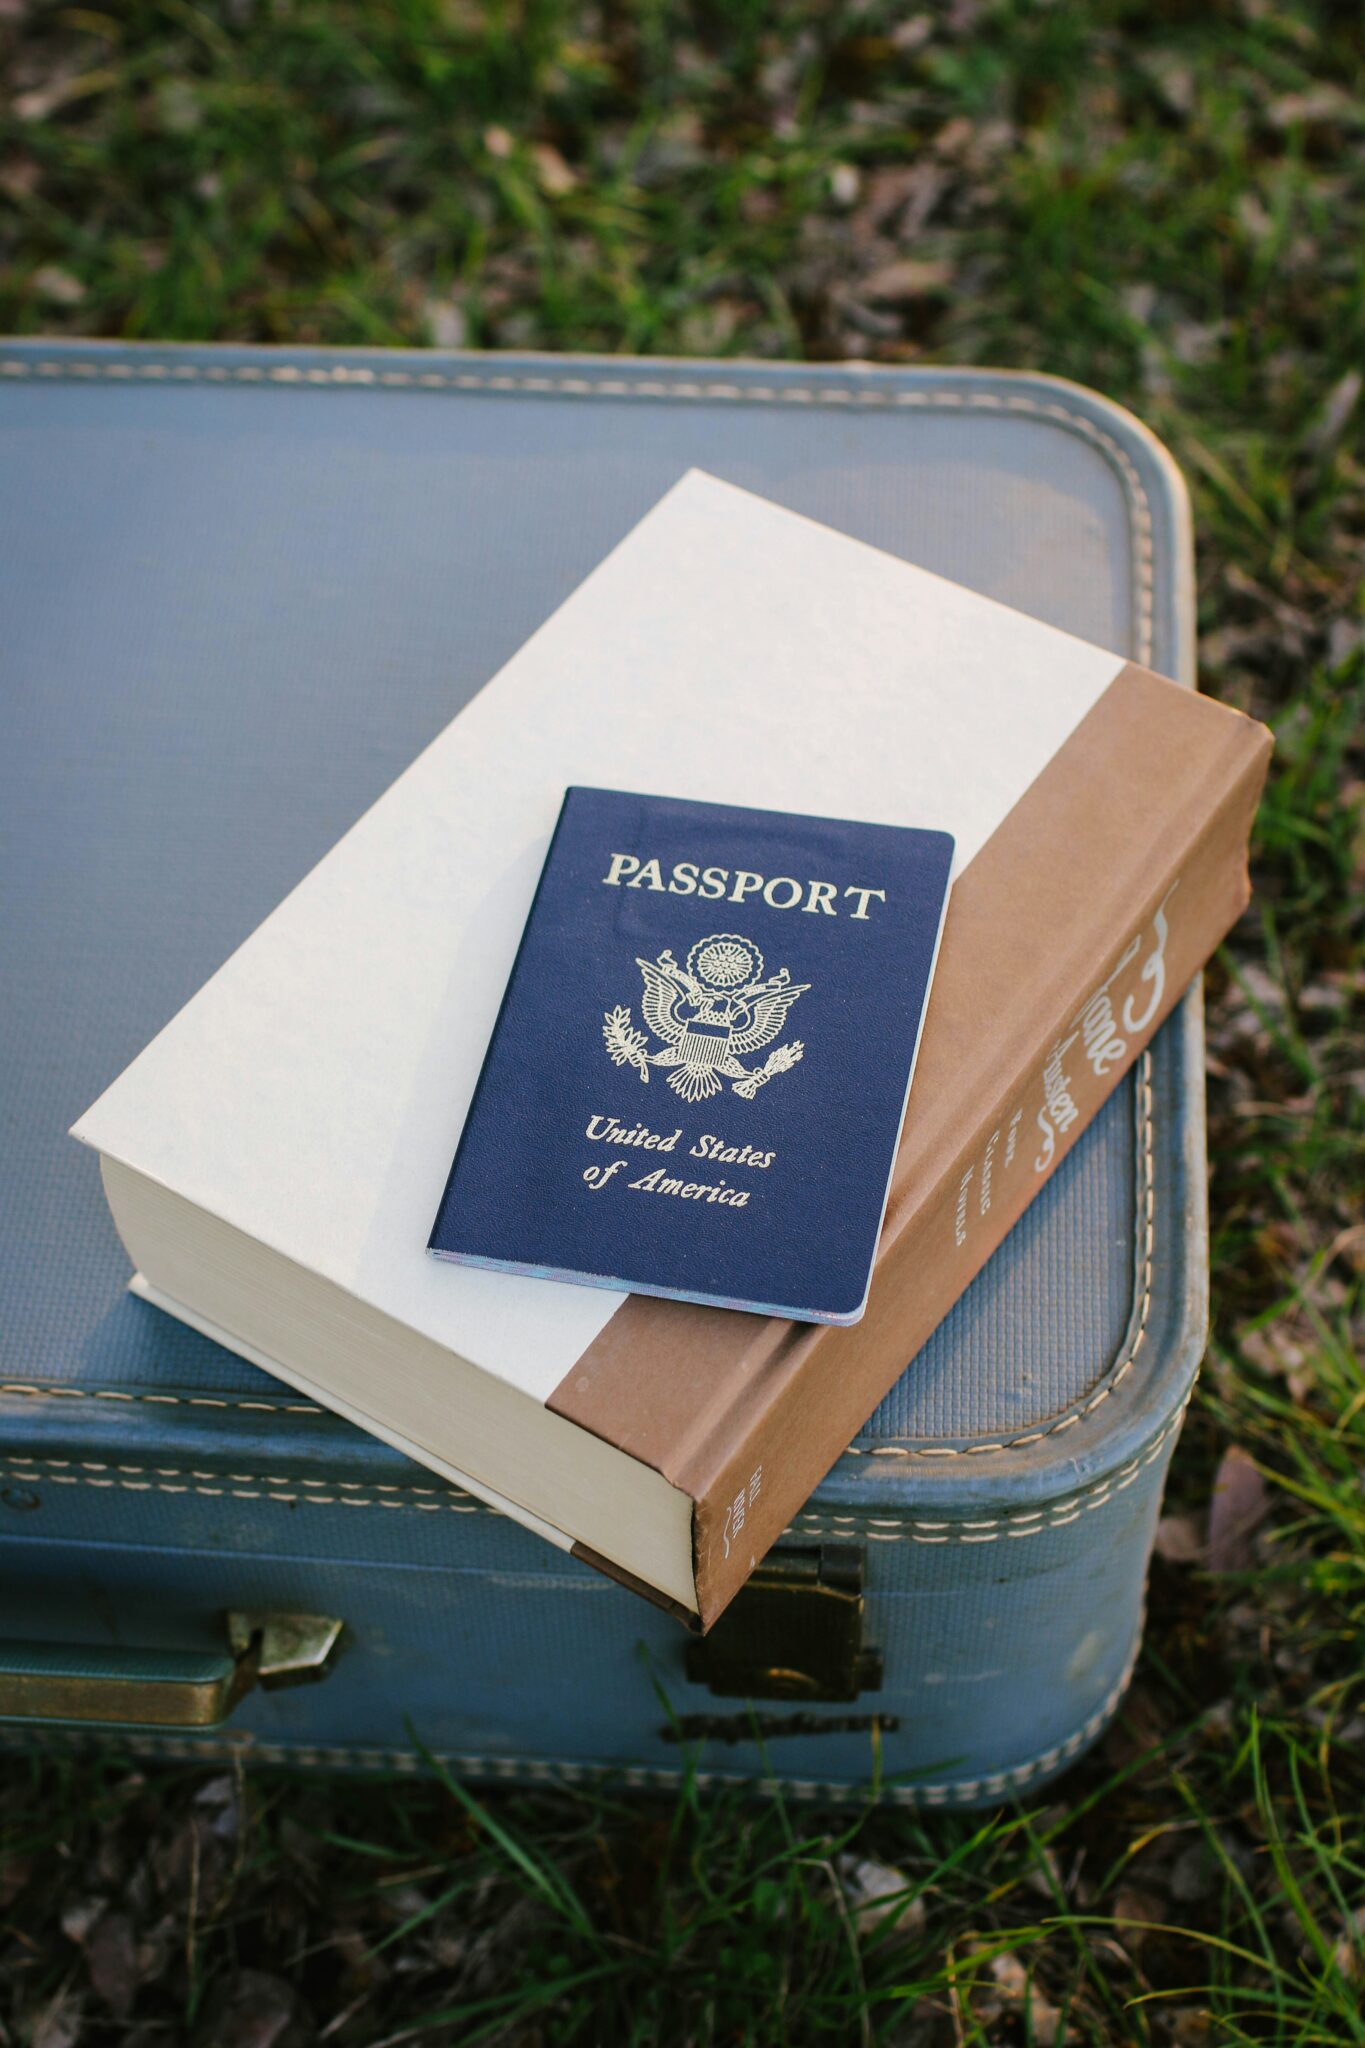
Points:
(241, 588)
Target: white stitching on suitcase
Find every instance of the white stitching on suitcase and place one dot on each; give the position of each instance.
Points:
(1057, 1515)
(348, 375)
(463, 1504)
(1127, 1358)
(355, 376)
(874, 1529)
(1117, 1374)
(22, 1468)
(636, 1777)
(36, 1391)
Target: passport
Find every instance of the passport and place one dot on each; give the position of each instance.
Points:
(698, 1076)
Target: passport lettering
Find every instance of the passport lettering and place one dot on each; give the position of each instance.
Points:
(688, 878)
(609, 1130)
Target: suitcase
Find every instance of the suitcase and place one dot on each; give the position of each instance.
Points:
(242, 587)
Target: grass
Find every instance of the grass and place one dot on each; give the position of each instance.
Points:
(1167, 202)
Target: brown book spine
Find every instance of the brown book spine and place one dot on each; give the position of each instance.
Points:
(1159, 904)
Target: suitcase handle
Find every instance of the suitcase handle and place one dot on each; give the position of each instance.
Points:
(165, 1688)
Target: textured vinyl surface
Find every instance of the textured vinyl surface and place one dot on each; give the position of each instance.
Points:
(240, 589)
(235, 609)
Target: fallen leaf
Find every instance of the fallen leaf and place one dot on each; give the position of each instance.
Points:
(1319, 998)
(112, 1962)
(257, 2010)
(1138, 1731)
(1349, 1954)
(402, 1902)
(155, 1949)
(1044, 2022)
(900, 201)
(887, 189)
(1045, 1878)
(1174, 81)
(845, 184)
(1180, 1539)
(1139, 302)
(446, 323)
(709, 328)
(58, 285)
(677, 145)
(177, 106)
(1276, 1351)
(955, 137)
(21, 177)
(1334, 418)
(908, 278)
(1010, 1974)
(1136, 1912)
(1190, 2025)
(879, 1896)
(80, 1916)
(220, 1791)
(1238, 1506)
(1197, 341)
(1348, 1244)
(1252, 217)
(556, 177)
(1191, 1875)
(1322, 104)
(1345, 639)
(43, 100)
(58, 2025)
(913, 33)
(866, 319)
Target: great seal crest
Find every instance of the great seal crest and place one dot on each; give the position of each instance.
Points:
(711, 1013)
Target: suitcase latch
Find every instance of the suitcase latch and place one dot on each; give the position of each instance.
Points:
(795, 1632)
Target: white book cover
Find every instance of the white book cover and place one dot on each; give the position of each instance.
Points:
(311, 1095)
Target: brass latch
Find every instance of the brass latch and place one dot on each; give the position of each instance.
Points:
(795, 1632)
(137, 1688)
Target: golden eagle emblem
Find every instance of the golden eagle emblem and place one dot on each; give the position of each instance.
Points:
(710, 1014)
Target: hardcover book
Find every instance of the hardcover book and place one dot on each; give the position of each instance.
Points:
(274, 1158)
(726, 1182)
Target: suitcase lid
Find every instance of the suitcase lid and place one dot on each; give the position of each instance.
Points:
(242, 589)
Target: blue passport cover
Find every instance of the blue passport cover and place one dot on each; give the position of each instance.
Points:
(697, 1079)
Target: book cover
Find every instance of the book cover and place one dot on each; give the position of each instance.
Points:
(698, 1076)
(307, 1101)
